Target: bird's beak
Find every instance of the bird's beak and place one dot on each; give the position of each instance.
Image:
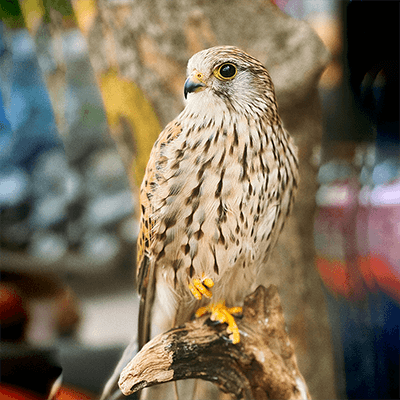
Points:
(194, 83)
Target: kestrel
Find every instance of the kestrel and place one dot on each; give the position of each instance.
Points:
(217, 190)
(218, 187)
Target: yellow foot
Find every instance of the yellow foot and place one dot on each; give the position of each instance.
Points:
(200, 288)
(221, 313)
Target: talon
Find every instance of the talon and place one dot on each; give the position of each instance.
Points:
(201, 311)
(199, 288)
(221, 313)
(208, 282)
(232, 328)
(217, 313)
(235, 310)
(235, 337)
(195, 292)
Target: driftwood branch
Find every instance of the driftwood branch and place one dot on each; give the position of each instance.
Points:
(262, 366)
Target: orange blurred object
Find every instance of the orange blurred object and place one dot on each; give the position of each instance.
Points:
(13, 314)
(68, 393)
(8, 392)
(338, 278)
(12, 308)
(330, 31)
(386, 275)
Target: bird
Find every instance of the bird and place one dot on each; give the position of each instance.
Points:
(219, 185)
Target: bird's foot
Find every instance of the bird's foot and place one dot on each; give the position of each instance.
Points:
(200, 287)
(223, 314)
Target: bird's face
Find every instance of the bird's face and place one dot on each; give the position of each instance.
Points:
(228, 76)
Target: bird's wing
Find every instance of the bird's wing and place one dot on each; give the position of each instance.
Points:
(145, 282)
(145, 268)
(150, 207)
(111, 390)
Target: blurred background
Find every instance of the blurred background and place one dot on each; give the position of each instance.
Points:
(75, 135)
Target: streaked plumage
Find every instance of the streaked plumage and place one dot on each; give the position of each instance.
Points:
(218, 187)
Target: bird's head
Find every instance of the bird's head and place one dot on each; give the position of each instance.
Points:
(227, 76)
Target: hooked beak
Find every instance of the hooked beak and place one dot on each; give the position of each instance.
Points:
(194, 83)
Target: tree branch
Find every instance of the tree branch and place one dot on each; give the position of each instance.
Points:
(262, 366)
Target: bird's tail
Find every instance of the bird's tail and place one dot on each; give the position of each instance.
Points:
(111, 390)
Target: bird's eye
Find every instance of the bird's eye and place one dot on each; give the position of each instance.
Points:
(225, 71)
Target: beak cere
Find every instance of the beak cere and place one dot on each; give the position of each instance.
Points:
(192, 84)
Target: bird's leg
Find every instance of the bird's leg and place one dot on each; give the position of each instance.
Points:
(223, 314)
(219, 311)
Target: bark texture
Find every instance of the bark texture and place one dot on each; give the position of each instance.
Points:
(262, 366)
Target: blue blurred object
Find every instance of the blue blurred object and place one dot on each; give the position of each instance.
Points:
(27, 122)
(28, 130)
(28, 107)
(13, 180)
(5, 136)
(58, 198)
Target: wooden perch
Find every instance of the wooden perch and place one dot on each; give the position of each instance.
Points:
(262, 366)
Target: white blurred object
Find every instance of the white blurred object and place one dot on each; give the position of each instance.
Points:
(101, 248)
(14, 187)
(42, 328)
(108, 209)
(48, 246)
(108, 320)
(386, 194)
(129, 230)
(73, 183)
(49, 174)
(49, 211)
(333, 195)
(74, 44)
(335, 170)
(385, 171)
(105, 173)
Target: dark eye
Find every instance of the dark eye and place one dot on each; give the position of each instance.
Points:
(226, 71)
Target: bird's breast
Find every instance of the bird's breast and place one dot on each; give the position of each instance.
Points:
(218, 203)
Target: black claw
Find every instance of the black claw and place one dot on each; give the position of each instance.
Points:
(210, 322)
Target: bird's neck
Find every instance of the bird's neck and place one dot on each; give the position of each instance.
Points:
(217, 116)
(204, 107)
